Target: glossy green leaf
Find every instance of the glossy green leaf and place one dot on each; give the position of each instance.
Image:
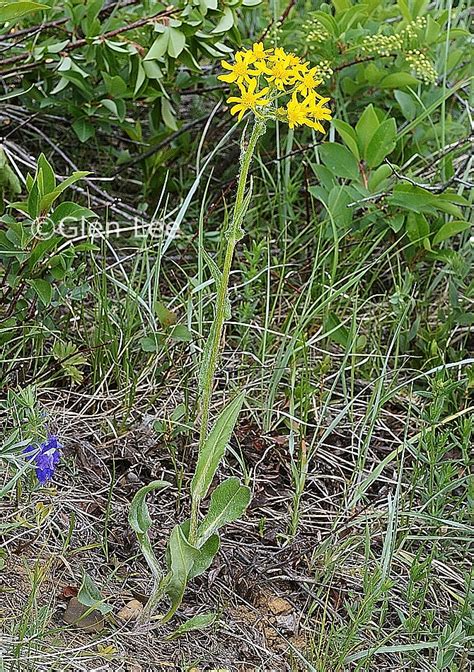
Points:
(382, 143)
(214, 448)
(339, 160)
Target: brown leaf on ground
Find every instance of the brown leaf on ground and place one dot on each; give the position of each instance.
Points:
(131, 611)
(76, 614)
(67, 592)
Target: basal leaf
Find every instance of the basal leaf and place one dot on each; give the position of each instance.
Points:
(181, 556)
(198, 622)
(228, 502)
(139, 516)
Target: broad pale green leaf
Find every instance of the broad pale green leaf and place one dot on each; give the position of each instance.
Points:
(207, 551)
(198, 622)
(450, 229)
(139, 516)
(339, 160)
(226, 22)
(176, 42)
(159, 47)
(89, 595)
(228, 502)
(365, 128)
(382, 143)
(10, 11)
(181, 556)
(214, 448)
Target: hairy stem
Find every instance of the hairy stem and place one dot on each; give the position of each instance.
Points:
(233, 234)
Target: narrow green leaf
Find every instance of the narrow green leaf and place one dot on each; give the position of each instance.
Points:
(198, 622)
(228, 502)
(214, 448)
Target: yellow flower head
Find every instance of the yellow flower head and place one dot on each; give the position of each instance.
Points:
(240, 71)
(248, 100)
(275, 84)
(258, 52)
(307, 80)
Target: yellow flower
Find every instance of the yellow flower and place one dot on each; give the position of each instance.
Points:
(248, 100)
(308, 80)
(278, 72)
(317, 111)
(258, 53)
(298, 112)
(240, 71)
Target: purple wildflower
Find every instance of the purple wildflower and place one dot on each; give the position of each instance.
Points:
(45, 458)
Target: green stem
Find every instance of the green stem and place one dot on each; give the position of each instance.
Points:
(234, 234)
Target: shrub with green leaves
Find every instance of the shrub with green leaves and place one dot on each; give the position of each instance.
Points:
(97, 61)
(42, 270)
(380, 63)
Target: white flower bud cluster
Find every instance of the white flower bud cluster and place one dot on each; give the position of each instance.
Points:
(411, 30)
(323, 70)
(382, 45)
(421, 66)
(316, 33)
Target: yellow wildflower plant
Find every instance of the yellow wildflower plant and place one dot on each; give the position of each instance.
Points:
(275, 84)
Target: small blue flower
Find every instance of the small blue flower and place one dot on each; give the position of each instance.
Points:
(45, 457)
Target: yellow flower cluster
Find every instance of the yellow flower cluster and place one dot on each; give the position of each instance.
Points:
(265, 76)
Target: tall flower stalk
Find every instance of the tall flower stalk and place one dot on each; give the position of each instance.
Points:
(211, 354)
(266, 78)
